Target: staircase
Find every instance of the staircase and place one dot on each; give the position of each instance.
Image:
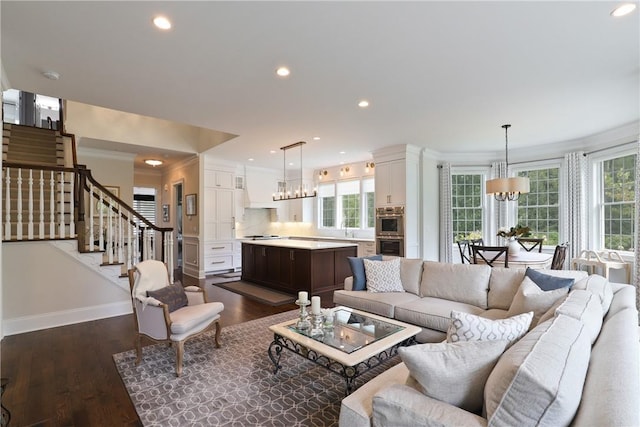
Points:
(31, 145)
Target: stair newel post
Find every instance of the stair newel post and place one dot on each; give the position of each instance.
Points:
(52, 206)
(7, 205)
(19, 206)
(81, 224)
(168, 253)
(120, 235)
(62, 232)
(72, 206)
(30, 205)
(41, 201)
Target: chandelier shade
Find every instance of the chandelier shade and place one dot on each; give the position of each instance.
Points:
(287, 192)
(507, 189)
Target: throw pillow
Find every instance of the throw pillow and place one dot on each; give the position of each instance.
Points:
(383, 276)
(454, 373)
(469, 327)
(357, 271)
(547, 282)
(172, 295)
(531, 298)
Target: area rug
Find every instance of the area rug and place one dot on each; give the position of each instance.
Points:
(258, 293)
(234, 385)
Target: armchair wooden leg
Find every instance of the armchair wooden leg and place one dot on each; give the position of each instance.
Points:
(138, 345)
(179, 354)
(218, 327)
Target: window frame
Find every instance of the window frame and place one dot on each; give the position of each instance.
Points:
(338, 217)
(484, 205)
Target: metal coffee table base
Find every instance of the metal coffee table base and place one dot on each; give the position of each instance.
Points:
(349, 373)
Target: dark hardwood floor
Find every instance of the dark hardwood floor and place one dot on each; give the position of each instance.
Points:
(66, 376)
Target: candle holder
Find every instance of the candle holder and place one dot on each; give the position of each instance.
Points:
(303, 323)
(316, 326)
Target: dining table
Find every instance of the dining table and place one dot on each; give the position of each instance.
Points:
(523, 259)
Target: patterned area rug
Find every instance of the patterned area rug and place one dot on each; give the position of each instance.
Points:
(234, 385)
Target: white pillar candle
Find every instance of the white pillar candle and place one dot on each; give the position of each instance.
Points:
(303, 296)
(315, 305)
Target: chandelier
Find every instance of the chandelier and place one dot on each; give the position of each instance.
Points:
(507, 189)
(286, 192)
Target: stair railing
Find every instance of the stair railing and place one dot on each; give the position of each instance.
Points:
(57, 200)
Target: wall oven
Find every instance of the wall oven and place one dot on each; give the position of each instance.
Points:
(390, 246)
(390, 221)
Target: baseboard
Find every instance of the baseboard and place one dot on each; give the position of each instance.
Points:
(24, 324)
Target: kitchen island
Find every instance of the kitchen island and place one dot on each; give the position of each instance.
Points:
(297, 265)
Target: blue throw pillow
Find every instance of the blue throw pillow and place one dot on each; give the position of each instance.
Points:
(546, 282)
(357, 271)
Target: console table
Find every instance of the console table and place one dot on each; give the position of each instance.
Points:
(605, 260)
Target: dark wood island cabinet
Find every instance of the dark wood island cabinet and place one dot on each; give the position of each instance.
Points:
(297, 265)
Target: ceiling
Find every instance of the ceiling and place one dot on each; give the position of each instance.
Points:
(440, 75)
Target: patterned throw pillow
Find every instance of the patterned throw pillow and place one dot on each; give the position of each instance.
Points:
(383, 276)
(469, 327)
(172, 295)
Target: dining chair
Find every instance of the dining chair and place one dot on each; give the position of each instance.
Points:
(531, 243)
(559, 255)
(490, 254)
(464, 246)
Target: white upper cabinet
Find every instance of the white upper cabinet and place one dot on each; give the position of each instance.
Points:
(391, 183)
(218, 179)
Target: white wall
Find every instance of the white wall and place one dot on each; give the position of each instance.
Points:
(430, 209)
(58, 291)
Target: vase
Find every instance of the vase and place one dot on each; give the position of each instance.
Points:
(514, 246)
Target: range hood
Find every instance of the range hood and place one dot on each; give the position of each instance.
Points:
(259, 186)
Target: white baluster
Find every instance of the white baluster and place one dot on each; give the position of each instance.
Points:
(129, 248)
(92, 237)
(62, 230)
(72, 206)
(168, 247)
(120, 235)
(52, 207)
(101, 221)
(19, 206)
(7, 206)
(41, 217)
(110, 232)
(30, 204)
(136, 244)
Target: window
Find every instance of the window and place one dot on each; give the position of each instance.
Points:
(539, 209)
(327, 200)
(618, 202)
(368, 191)
(349, 199)
(466, 202)
(144, 202)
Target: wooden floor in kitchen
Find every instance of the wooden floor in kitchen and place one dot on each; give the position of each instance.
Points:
(66, 376)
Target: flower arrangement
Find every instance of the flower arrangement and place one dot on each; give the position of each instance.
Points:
(473, 235)
(517, 231)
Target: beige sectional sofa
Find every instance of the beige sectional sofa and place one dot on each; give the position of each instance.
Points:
(596, 384)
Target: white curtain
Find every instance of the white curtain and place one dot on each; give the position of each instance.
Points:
(636, 275)
(574, 208)
(446, 221)
(499, 209)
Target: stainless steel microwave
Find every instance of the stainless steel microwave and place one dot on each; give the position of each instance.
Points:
(390, 221)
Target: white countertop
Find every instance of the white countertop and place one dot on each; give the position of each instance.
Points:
(330, 238)
(299, 244)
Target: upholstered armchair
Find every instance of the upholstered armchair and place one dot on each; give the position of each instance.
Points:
(169, 313)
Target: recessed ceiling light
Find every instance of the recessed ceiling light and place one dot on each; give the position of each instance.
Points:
(363, 104)
(283, 71)
(153, 162)
(623, 9)
(290, 163)
(272, 151)
(51, 75)
(342, 152)
(316, 138)
(250, 159)
(162, 22)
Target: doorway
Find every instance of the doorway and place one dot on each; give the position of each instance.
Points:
(177, 244)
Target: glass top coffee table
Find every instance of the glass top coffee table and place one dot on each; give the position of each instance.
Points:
(358, 342)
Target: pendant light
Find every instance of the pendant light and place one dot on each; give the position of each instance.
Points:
(507, 189)
(284, 192)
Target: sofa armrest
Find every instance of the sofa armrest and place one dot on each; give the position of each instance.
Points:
(348, 283)
(400, 405)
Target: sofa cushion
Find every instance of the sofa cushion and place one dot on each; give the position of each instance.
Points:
(548, 282)
(357, 271)
(503, 285)
(494, 314)
(187, 319)
(173, 296)
(543, 372)
(383, 276)
(456, 282)
(382, 304)
(598, 285)
(468, 327)
(531, 298)
(411, 274)
(432, 313)
(585, 307)
(454, 373)
(403, 406)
